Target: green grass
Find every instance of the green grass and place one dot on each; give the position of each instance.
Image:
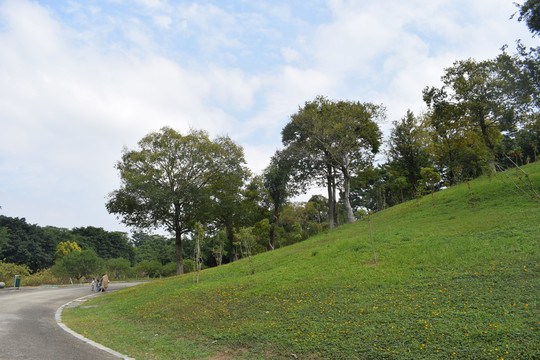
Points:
(449, 282)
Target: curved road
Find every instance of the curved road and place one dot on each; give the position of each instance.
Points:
(28, 329)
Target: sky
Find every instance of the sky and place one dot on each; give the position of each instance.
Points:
(82, 79)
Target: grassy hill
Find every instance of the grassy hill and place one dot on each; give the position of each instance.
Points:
(450, 281)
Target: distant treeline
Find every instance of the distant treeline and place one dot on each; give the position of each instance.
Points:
(35, 246)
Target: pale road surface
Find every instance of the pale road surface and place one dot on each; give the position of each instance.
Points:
(28, 329)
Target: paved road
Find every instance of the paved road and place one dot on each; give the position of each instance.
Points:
(28, 329)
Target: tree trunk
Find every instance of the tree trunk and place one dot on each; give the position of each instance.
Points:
(273, 228)
(179, 261)
(230, 236)
(331, 207)
(334, 197)
(178, 236)
(484, 130)
(346, 193)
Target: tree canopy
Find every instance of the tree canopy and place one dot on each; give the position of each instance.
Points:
(529, 12)
(169, 181)
(338, 137)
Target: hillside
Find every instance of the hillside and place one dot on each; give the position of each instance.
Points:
(450, 281)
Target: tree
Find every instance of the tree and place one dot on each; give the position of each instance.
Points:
(152, 268)
(431, 178)
(106, 244)
(77, 264)
(227, 204)
(153, 247)
(407, 153)
(336, 137)
(456, 149)
(199, 234)
(479, 97)
(277, 182)
(64, 248)
(24, 243)
(246, 239)
(530, 13)
(168, 182)
(117, 267)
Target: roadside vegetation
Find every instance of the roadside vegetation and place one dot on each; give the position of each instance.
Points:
(452, 281)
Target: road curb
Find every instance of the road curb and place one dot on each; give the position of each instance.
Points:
(58, 318)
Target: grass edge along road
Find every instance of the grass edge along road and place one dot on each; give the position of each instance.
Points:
(451, 281)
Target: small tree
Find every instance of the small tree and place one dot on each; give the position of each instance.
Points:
(247, 240)
(199, 237)
(152, 268)
(65, 247)
(432, 178)
(118, 267)
(366, 214)
(79, 264)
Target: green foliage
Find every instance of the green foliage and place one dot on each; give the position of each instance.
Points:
(106, 244)
(334, 138)
(22, 243)
(77, 265)
(529, 12)
(151, 268)
(189, 265)
(170, 181)
(449, 282)
(118, 268)
(42, 277)
(153, 247)
(65, 247)
(9, 270)
(407, 154)
(247, 242)
(169, 269)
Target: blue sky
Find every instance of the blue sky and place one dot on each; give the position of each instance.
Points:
(81, 79)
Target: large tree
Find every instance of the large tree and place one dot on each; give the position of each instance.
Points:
(168, 182)
(341, 137)
(227, 202)
(529, 12)
(407, 152)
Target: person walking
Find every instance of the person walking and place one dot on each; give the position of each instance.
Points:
(104, 282)
(93, 284)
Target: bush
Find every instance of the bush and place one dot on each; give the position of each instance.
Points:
(9, 270)
(118, 268)
(151, 268)
(42, 277)
(78, 265)
(169, 269)
(189, 265)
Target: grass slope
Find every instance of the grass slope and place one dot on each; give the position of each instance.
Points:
(450, 282)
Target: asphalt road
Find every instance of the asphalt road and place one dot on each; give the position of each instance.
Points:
(28, 329)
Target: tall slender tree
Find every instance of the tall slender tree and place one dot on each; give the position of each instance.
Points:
(340, 137)
(277, 182)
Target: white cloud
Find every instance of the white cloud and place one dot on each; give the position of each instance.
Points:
(71, 96)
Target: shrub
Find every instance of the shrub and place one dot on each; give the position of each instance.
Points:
(151, 268)
(118, 268)
(169, 269)
(189, 265)
(9, 270)
(42, 277)
(78, 265)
